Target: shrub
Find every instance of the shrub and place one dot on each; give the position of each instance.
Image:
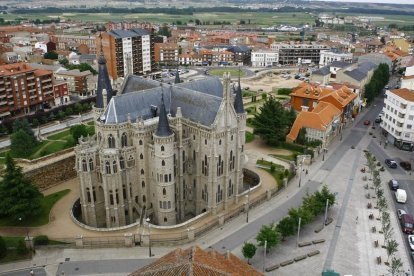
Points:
(3, 248)
(41, 240)
(284, 91)
(21, 248)
(272, 168)
(293, 147)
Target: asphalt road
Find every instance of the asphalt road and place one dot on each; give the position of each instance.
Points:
(26, 272)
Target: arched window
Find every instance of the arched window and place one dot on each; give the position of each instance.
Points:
(124, 140)
(124, 191)
(111, 197)
(142, 171)
(107, 167)
(94, 194)
(141, 156)
(143, 184)
(165, 219)
(91, 164)
(84, 166)
(169, 177)
(169, 204)
(144, 199)
(162, 148)
(140, 142)
(164, 191)
(164, 205)
(163, 163)
(205, 141)
(231, 138)
(220, 142)
(115, 167)
(116, 196)
(111, 141)
(122, 163)
(165, 178)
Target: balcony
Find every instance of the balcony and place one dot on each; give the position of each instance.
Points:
(400, 115)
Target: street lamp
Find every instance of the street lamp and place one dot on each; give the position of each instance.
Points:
(149, 237)
(27, 229)
(300, 173)
(247, 210)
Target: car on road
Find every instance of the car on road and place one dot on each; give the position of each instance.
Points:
(378, 120)
(405, 165)
(394, 185)
(401, 196)
(391, 163)
(407, 223)
(411, 242)
(400, 213)
(367, 122)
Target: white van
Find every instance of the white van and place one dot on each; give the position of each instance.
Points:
(401, 196)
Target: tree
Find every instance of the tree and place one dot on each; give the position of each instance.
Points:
(392, 247)
(268, 233)
(272, 122)
(301, 139)
(21, 144)
(286, 227)
(3, 248)
(395, 266)
(20, 198)
(64, 62)
(77, 131)
(248, 250)
(164, 31)
(51, 55)
(82, 67)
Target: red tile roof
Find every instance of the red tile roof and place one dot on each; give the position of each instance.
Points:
(404, 93)
(196, 261)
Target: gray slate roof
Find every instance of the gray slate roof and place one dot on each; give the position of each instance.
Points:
(128, 33)
(339, 64)
(135, 83)
(361, 71)
(196, 106)
(323, 71)
(211, 86)
(103, 83)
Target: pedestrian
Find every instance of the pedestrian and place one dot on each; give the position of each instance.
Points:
(31, 272)
(356, 220)
(306, 171)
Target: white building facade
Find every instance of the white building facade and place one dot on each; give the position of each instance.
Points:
(264, 58)
(327, 57)
(398, 118)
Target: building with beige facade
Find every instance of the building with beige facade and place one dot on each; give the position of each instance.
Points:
(164, 152)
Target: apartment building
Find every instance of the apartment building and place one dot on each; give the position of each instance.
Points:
(74, 42)
(78, 82)
(327, 57)
(166, 53)
(128, 52)
(264, 58)
(298, 53)
(398, 119)
(24, 89)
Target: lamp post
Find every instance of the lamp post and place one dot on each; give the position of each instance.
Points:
(149, 237)
(27, 229)
(247, 210)
(300, 173)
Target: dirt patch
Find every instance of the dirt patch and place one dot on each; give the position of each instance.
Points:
(270, 82)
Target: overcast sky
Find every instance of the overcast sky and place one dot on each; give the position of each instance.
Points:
(377, 1)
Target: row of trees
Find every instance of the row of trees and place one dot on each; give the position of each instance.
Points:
(391, 245)
(273, 121)
(272, 234)
(378, 81)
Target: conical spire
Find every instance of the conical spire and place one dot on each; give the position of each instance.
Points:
(103, 80)
(163, 128)
(238, 101)
(177, 77)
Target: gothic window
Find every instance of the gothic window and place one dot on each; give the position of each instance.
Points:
(107, 167)
(205, 193)
(163, 163)
(220, 142)
(165, 219)
(169, 204)
(131, 161)
(166, 178)
(140, 142)
(164, 205)
(194, 183)
(94, 194)
(111, 141)
(144, 199)
(91, 164)
(142, 171)
(124, 140)
(230, 189)
(111, 197)
(115, 167)
(232, 137)
(136, 199)
(219, 195)
(219, 166)
(160, 204)
(99, 137)
(122, 163)
(231, 161)
(194, 155)
(88, 194)
(164, 191)
(169, 178)
(193, 137)
(116, 196)
(84, 166)
(143, 184)
(162, 148)
(141, 156)
(184, 189)
(124, 191)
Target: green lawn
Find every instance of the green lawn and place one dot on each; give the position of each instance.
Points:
(278, 173)
(60, 135)
(291, 157)
(12, 255)
(43, 218)
(220, 71)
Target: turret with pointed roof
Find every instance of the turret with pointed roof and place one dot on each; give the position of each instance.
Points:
(238, 102)
(103, 81)
(163, 129)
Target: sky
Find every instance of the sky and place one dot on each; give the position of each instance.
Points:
(377, 1)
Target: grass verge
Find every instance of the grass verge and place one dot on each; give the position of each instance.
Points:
(249, 137)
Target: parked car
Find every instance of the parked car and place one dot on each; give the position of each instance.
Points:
(400, 213)
(407, 223)
(378, 120)
(401, 196)
(411, 242)
(394, 185)
(367, 122)
(405, 165)
(391, 163)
